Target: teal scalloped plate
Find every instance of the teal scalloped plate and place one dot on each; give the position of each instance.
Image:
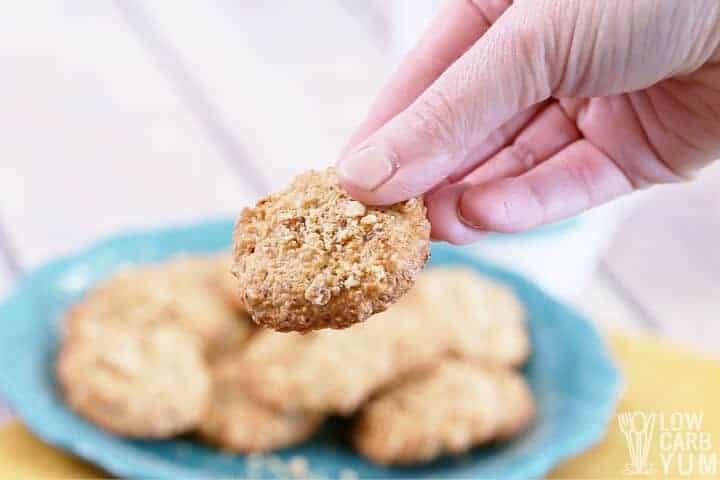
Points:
(570, 372)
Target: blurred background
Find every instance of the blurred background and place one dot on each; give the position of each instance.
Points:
(118, 115)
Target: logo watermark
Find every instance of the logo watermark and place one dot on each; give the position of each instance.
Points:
(668, 443)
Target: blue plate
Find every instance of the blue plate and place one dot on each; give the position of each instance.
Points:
(570, 372)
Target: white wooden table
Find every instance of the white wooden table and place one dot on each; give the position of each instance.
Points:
(127, 114)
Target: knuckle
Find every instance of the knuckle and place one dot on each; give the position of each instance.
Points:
(522, 155)
(436, 119)
(586, 175)
(529, 45)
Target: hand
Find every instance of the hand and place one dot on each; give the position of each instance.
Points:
(509, 116)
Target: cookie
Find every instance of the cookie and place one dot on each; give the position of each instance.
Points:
(311, 257)
(236, 422)
(233, 337)
(225, 283)
(336, 370)
(447, 409)
(180, 291)
(484, 318)
(231, 341)
(148, 382)
(520, 405)
(449, 311)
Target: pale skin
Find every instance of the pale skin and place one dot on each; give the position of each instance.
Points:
(508, 115)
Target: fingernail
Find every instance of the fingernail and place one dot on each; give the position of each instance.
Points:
(463, 218)
(368, 168)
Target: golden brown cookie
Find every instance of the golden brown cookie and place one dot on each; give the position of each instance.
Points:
(336, 370)
(150, 381)
(232, 339)
(311, 257)
(483, 318)
(519, 403)
(238, 423)
(224, 281)
(179, 291)
(447, 409)
(450, 311)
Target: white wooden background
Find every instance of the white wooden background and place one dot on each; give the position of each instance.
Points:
(125, 114)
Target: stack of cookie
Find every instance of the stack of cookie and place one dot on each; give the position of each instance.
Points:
(136, 351)
(434, 374)
(167, 349)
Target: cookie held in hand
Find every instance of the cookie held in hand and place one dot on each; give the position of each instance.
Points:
(311, 257)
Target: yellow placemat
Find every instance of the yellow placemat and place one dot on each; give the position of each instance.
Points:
(672, 397)
(671, 405)
(23, 456)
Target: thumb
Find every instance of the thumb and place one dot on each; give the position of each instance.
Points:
(506, 71)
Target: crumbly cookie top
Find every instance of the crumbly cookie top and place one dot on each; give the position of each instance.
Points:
(311, 257)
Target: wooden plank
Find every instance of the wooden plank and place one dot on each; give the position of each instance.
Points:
(290, 81)
(95, 139)
(666, 254)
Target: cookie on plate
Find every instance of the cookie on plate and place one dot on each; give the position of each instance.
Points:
(237, 422)
(336, 370)
(223, 280)
(484, 318)
(231, 340)
(180, 291)
(311, 257)
(520, 405)
(447, 409)
(147, 382)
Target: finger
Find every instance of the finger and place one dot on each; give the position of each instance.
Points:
(576, 179)
(547, 134)
(442, 211)
(455, 28)
(496, 141)
(504, 73)
(551, 131)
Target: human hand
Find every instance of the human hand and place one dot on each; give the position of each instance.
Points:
(510, 116)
